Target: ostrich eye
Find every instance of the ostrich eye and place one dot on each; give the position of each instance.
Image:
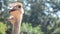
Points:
(19, 6)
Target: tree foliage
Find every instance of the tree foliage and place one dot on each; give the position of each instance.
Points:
(2, 28)
(45, 13)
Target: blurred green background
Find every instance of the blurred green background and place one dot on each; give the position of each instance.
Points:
(40, 17)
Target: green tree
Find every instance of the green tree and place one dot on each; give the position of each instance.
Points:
(28, 29)
(2, 28)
